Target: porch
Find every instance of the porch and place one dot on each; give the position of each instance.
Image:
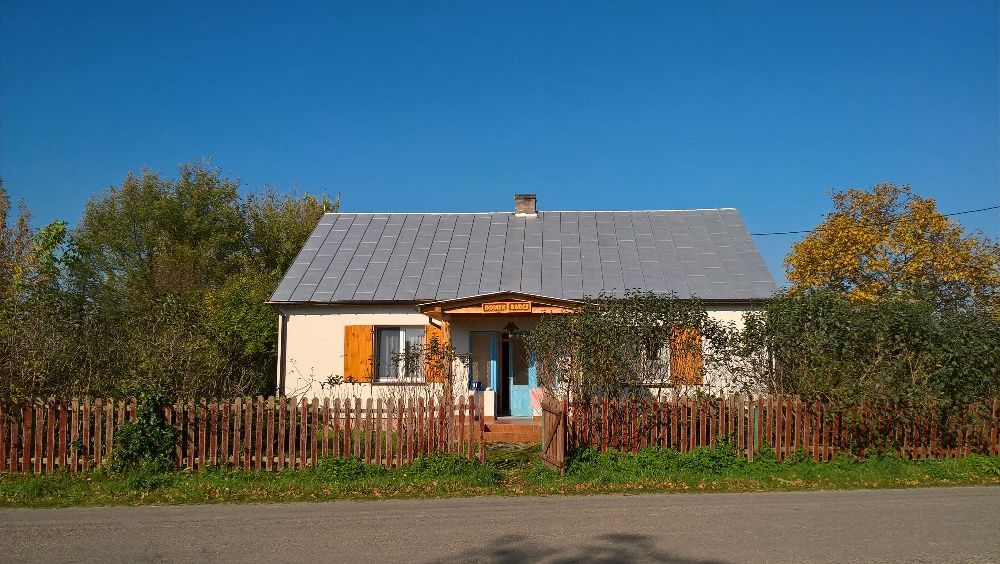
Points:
(490, 329)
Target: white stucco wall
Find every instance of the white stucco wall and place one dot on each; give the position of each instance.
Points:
(314, 347)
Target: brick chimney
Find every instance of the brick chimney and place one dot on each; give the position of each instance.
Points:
(524, 204)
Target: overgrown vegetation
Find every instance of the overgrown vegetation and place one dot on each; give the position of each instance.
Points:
(509, 471)
(816, 344)
(147, 443)
(893, 350)
(616, 346)
(161, 288)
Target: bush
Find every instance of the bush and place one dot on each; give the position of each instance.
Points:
(894, 350)
(147, 443)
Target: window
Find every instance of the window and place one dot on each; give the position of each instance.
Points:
(399, 353)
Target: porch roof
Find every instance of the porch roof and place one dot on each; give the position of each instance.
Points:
(474, 305)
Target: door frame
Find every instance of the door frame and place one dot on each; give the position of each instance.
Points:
(502, 372)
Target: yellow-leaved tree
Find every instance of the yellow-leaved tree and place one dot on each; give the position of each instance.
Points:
(888, 241)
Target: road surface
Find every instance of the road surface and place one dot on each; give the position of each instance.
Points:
(928, 525)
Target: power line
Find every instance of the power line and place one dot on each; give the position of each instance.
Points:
(870, 224)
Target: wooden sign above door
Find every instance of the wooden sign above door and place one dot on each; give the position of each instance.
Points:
(507, 307)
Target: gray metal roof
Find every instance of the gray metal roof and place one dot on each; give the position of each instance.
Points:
(418, 257)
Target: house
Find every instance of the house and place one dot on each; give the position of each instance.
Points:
(368, 287)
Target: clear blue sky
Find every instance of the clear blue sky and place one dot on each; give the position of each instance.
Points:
(456, 106)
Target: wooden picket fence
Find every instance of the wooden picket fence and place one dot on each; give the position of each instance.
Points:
(248, 433)
(786, 425)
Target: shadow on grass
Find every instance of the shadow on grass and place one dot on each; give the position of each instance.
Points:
(611, 547)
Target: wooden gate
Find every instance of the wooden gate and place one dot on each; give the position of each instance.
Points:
(554, 434)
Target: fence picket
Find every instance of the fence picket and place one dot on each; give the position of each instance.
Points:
(324, 434)
(282, 432)
(358, 429)
(293, 430)
(336, 427)
(98, 410)
(481, 435)
(63, 431)
(378, 421)
(247, 442)
(347, 428)
(4, 426)
(85, 436)
(995, 442)
(224, 434)
(50, 437)
(201, 451)
(390, 432)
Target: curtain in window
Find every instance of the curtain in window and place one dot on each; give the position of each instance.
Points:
(414, 344)
(388, 350)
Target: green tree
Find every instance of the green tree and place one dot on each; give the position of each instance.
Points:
(161, 288)
(615, 346)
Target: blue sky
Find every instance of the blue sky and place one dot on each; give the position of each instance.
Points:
(455, 106)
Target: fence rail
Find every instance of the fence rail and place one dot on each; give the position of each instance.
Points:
(249, 433)
(788, 426)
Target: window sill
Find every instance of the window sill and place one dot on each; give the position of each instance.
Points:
(400, 383)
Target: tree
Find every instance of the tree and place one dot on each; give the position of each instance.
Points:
(161, 288)
(887, 241)
(620, 346)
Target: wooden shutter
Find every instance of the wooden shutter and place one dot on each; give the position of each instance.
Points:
(359, 353)
(435, 373)
(686, 362)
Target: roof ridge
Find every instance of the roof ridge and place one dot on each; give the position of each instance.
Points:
(512, 213)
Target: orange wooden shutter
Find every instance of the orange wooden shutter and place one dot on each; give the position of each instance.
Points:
(359, 353)
(433, 371)
(686, 362)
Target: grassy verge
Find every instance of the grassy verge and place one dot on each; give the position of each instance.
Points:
(508, 471)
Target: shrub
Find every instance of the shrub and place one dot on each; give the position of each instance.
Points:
(147, 443)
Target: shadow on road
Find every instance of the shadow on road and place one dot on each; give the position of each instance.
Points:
(621, 547)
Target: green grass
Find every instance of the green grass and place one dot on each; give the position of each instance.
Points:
(509, 470)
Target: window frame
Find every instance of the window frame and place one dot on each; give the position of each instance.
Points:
(400, 377)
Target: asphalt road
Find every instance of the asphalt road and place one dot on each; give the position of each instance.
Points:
(956, 524)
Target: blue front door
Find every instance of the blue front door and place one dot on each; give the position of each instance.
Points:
(521, 378)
